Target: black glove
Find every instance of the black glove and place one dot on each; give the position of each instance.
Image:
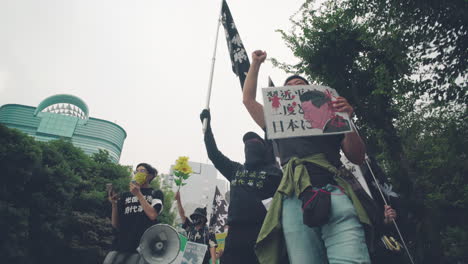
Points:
(205, 114)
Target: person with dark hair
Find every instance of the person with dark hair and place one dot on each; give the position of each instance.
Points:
(197, 230)
(315, 213)
(251, 183)
(320, 113)
(295, 80)
(132, 213)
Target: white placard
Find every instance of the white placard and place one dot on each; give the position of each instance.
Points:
(302, 110)
(194, 253)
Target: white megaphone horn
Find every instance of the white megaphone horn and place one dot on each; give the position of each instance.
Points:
(159, 244)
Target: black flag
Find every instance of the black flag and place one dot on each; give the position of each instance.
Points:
(219, 213)
(239, 58)
(270, 82)
(380, 182)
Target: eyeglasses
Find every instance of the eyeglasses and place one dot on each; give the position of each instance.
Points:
(141, 171)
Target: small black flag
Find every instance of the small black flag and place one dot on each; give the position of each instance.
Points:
(380, 181)
(219, 213)
(270, 82)
(239, 58)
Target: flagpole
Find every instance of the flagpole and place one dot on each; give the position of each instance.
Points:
(213, 60)
(385, 200)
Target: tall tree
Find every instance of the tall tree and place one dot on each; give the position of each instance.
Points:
(53, 201)
(437, 35)
(391, 59)
(369, 70)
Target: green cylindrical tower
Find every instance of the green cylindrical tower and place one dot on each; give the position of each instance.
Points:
(66, 116)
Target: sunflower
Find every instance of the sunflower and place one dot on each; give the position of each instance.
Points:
(182, 170)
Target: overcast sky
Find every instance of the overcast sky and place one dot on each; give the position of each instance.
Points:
(143, 64)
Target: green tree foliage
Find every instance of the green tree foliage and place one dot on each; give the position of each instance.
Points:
(370, 69)
(168, 215)
(437, 35)
(437, 152)
(402, 65)
(53, 201)
(19, 156)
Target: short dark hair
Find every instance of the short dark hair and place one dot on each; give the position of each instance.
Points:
(317, 98)
(151, 170)
(295, 76)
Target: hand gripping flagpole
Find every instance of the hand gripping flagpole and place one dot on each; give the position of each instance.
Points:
(213, 60)
(385, 200)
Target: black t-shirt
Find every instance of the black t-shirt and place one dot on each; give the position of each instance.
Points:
(248, 189)
(248, 186)
(305, 146)
(133, 221)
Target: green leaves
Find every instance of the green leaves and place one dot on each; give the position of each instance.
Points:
(181, 171)
(391, 59)
(52, 191)
(178, 182)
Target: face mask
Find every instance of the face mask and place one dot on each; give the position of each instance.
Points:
(140, 178)
(198, 221)
(254, 152)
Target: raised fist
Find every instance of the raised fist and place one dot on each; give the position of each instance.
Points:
(259, 56)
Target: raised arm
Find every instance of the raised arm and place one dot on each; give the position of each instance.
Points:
(180, 208)
(222, 163)
(113, 198)
(352, 145)
(254, 108)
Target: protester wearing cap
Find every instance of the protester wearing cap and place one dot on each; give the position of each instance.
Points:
(311, 164)
(251, 182)
(197, 230)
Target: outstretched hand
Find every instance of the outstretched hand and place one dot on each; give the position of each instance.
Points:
(205, 114)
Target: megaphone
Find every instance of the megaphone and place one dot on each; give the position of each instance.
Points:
(159, 244)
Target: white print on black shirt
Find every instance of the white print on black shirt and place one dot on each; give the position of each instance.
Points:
(129, 209)
(255, 179)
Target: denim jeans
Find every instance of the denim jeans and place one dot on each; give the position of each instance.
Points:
(341, 240)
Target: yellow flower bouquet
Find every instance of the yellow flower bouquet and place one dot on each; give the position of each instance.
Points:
(182, 171)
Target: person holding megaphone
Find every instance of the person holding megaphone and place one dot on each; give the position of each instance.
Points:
(132, 213)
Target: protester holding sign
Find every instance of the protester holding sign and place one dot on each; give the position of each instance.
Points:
(132, 213)
(251, 182)
(315, 212)
(197, 230)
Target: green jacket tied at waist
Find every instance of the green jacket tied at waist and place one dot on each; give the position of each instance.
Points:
(270, 247)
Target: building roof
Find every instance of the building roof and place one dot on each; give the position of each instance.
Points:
(66, 104)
